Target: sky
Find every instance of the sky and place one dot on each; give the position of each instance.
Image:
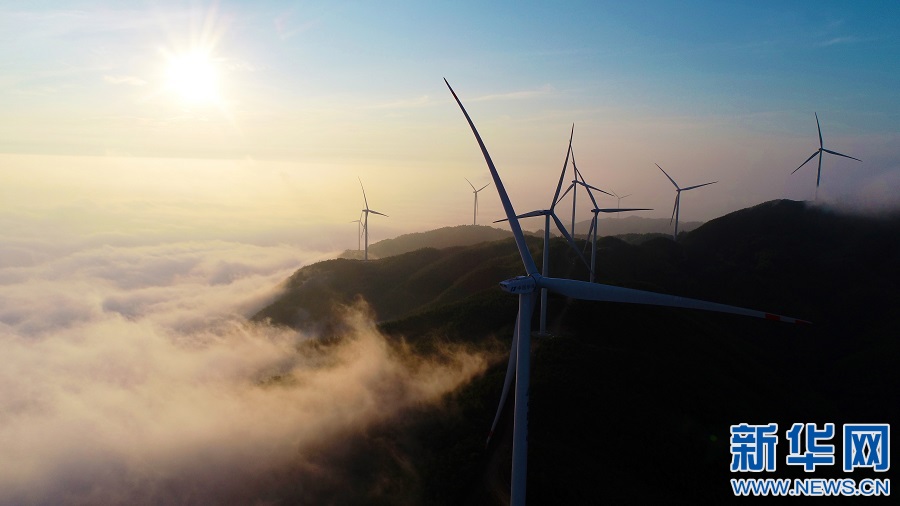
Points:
(167, 164)
(306, 97)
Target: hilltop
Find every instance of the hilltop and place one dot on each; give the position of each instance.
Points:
(445, 237)
(622, 393)
(630, 229)
(634, 225)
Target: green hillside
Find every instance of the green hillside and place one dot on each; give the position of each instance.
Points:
(629, 403)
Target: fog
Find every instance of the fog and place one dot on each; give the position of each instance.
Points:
(131, 374)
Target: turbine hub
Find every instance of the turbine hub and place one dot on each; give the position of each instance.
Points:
(518, 284)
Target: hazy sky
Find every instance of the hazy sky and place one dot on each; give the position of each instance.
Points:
(284, 104)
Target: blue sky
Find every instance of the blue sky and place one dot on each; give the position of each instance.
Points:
(710, 90)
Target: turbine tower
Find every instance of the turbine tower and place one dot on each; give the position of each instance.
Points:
(366, 211)
(475, 212)
(524, 286)
(819, 152)
(676, 209)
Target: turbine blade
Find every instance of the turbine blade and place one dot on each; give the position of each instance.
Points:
(804, 163)
(595, 188)
(668, 176)
(562, 175)
(540, 212)
(819, 173)
(364, 192)
(470, 183)
(697, 186)
(526, 215)
(590, 193)
(376, 212)
(589, 236)
(623, 196)
(821, 145)
(593, 291)
(840, 154)
(507, 381)
(621, 210)
(527, 259)
(564, 194)
(482, 188)
(569, 239)
(674, 208)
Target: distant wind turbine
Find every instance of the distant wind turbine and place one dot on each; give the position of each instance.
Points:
(358, 232)
(366, 211)
(547, 214)
(594, 227)
(475, 212)
(677, 208)
(619, 201)
(573, 187)
(819, 152)
(524, 286)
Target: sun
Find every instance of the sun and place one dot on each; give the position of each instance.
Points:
(194, 76)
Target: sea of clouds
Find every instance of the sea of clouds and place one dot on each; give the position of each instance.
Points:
(131, 375)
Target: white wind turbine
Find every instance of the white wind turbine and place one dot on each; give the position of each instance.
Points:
(677, 208)
(366, 211)
(594, 223)
(573, 187)
(547, 214)
(819, 152)
(619, 201)
(524, 287)
(475, 212)
(358, 232)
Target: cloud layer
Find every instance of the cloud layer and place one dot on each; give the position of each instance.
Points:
(132, 376)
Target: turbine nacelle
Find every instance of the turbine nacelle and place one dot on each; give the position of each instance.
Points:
(519, 284)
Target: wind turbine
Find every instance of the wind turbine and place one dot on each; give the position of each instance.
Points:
(678, 190)
(366, 211)
(358, 232)
(594, 223)
(475, 212)
(524, 286)
(573, 187)
(547, 214)
(619, 201)
(819, 152)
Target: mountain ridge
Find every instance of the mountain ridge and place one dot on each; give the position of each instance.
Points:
(618, 378)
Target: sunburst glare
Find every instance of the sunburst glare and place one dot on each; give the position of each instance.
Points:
(194, 77)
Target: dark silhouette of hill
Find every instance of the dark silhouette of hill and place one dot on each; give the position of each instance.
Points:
(446, 237)
(634, 225)
(629, 403)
